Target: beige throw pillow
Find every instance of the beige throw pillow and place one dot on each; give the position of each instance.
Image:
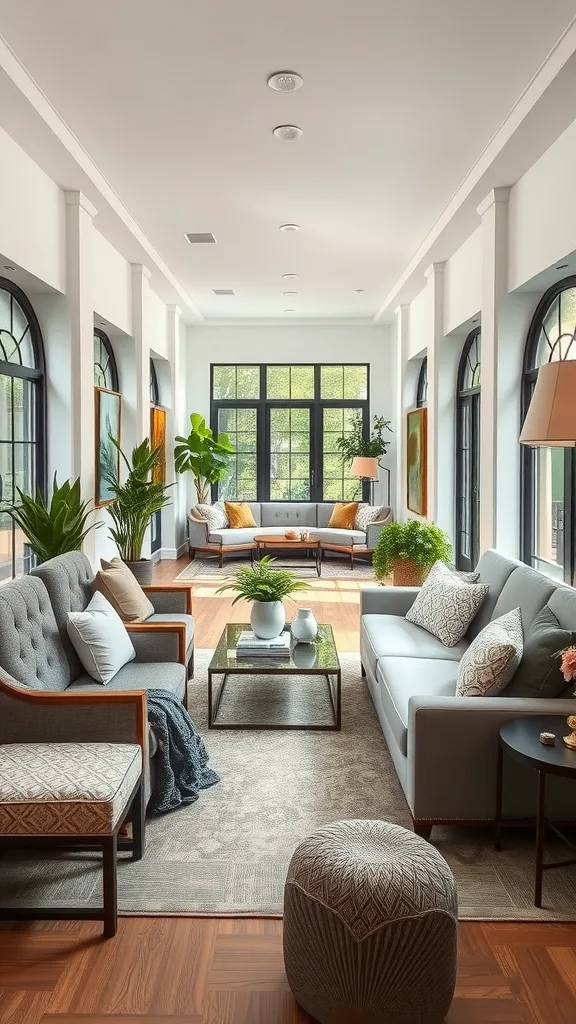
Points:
(121, 588)
(488, 665)
(446, 604)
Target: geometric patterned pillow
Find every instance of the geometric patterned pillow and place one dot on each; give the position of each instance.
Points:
(215, 514)
(492, 658)
(446, 604)
(365, 515)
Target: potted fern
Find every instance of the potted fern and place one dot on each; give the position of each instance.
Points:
(265, 587)
(407, 551)
(52, 527)
(133, 504)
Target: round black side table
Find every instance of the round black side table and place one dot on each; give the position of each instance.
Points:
(520, 737)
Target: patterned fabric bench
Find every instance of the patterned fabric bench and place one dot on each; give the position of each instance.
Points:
(72, 795)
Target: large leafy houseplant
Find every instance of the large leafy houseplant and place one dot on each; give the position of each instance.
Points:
(56, 526)
(409, 550)
(265, 587)
(205, 456)
(133, 504)
(353, 444)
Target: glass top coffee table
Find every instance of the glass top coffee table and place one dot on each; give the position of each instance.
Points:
(319, 658)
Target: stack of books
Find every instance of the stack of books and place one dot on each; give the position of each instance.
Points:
(249, 645)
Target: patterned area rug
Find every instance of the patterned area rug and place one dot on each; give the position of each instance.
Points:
(334, 568)
(228, 853)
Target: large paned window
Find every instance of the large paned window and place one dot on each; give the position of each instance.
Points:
(105, 369)
(22, 419)
(422, 386)
(549, 474)
(468, 454)
(284, 421)
(156, 522)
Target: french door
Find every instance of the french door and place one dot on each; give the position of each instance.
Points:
(467, 482)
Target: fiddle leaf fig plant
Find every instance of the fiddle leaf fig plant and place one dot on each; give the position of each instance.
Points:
(205, 456)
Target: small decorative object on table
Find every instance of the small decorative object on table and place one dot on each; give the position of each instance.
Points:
(291, 535)
(568, 670)
(304, 626)
(304, 534)
(548, 739)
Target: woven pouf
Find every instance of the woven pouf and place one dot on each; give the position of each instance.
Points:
(370, 920)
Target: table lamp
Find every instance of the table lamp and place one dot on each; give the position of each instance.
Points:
(366, 469)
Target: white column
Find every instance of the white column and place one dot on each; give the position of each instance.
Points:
(494, 213)
(435, 286)
(402, 314)
(174, 516)
(141, 335)
(79, 215)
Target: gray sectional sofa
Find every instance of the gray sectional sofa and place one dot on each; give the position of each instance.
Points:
(275, 517)
(444, 747)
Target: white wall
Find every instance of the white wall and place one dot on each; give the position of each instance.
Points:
(293, 344)
(112, 284)
(157, 325)
(420, 327)
(463, 283)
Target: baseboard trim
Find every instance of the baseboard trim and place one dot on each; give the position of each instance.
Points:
(173, 553)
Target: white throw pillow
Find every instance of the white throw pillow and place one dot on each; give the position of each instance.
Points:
(215, 515)
(100, 639)
(492, 658)
(446, 604)
(366, 514)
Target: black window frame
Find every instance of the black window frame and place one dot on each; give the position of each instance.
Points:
(527, 453)
(154, 387)
(422, 385)
(156, 521)
(37, 375)
(113, 384)
(468, 403)
(262, 404)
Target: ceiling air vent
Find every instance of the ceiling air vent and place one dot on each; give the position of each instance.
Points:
(199, 236)
(223, 291)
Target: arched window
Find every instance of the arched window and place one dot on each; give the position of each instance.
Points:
(468, 454)
(422, 387)
(22, 419)
(105, 369)
(156, 523)
(549, 474)
(154, 389)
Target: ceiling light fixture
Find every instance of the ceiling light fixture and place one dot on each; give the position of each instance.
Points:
(562, 266)
(289, 277)
(289, 310)
(223, 291)
(358, 291)
(289, 227)
(288, 132)
(9, 267)
(199, 236)
(285, 81)
(290, 293)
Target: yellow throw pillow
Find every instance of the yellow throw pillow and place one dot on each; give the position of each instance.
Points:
(344, 515)
(121, 588)
(239, 515)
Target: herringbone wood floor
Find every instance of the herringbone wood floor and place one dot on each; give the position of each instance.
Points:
(229, 971)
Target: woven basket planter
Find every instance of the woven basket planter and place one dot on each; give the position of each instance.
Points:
(407, 574)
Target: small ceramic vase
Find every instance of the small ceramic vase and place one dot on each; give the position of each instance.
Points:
(304, 626)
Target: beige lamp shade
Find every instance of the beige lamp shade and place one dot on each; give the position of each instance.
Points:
(551, 418)
(367, 469)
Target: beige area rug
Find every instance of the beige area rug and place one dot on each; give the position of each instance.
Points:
(227, 854)
(335, 568)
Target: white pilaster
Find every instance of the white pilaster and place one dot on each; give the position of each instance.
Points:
(174, 516)
(141, 335)
(494, 213)
(79, 284)
(435, 286)
(402, 329)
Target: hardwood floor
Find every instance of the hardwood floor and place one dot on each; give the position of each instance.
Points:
(230, 971)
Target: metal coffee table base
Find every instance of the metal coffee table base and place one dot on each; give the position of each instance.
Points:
(334, 681)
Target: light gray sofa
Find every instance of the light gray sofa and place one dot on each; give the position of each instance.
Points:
(274, 517)
(45, 695)
(444, 747)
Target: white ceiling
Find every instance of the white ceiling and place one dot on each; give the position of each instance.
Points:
(170, 101)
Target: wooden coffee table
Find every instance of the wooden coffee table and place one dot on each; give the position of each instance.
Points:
(267, 542)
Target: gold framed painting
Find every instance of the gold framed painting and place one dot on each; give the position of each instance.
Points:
(108, 415)
(417, 461)
(158, 440)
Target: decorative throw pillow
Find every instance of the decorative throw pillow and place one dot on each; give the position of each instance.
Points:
(239, 515)
(446, 604)
(539, 672)
(344, 515)
(367, 514)
(100, 639)
(121, 588)
(215, 515)
(492, 658)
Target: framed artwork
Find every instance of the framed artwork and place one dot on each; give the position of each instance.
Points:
(417, 461)
(158, 440)
(108, 411)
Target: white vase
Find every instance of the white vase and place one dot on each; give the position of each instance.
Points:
(267, 619)
(304, 626)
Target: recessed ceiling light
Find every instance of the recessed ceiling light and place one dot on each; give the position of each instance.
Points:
(285, 81)
(223, 291)
(289, 277)
(288, 132)
(290, 293)
(199, 236)
(9, 267)
(358, 291)
(289, 227)
(289, 310)
(562, 266)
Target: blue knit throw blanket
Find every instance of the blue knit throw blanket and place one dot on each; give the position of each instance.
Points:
(181, 758)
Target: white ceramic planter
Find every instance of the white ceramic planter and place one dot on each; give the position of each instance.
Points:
(304, 626)
(267, 619)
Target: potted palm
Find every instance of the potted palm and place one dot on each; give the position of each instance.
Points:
(52, 527)
(134, 503)
(205, 456)
(408, 552)
(265, 587)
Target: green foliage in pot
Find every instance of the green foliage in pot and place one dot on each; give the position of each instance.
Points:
(353, 444)
(414, 541)
(136, 500)
(205, 456)
(56, 526)
(261, 582)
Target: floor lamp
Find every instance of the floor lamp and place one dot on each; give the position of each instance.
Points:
(366, 469)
